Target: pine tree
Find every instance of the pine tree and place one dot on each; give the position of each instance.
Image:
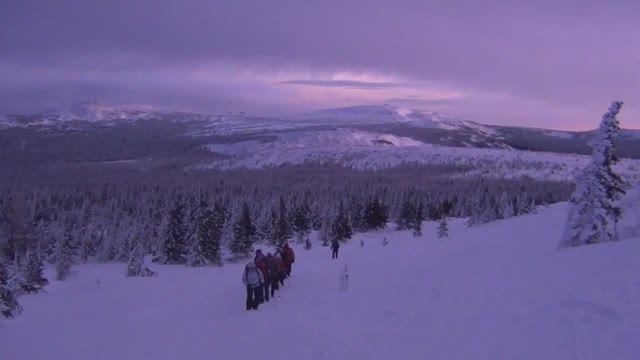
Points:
(443, 228)
(135, 266)
(594, 210)
(324, 234)
(266, 225)
(196, 248)
(174, 249)
(282, 226)
(9, 306)
(407, 215)
(228, 228)
(65, 253)
(205, 244)
(505, 207)
(33, 271)
(88, 243)
(341, 229)
(302, 222)
(417, 219)
(376, 216)
(243, 234)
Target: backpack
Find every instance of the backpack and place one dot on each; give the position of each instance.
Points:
(273, 266)
(291, 256)
(248, 274)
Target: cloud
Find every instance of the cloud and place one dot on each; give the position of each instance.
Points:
(416, 101)
(353, 84)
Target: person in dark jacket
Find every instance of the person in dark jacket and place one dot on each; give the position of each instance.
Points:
(335, 246)
(252, 279)
(261, 263)
(274, 272)
(289, 258)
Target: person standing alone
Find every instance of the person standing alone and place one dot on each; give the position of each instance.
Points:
(335, 246)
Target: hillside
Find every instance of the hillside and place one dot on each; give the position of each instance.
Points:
(499, 291)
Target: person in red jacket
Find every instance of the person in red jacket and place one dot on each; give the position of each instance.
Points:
(289, 258)
(261, 263)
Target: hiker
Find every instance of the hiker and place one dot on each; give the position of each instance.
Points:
(335, 245)
(253, 280)
(278, 256)
(290, 258)
(274, 272)
(261, 263)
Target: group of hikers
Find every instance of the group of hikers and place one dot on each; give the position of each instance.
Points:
(265, 275)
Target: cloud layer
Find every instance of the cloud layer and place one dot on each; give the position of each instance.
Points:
(552, 64)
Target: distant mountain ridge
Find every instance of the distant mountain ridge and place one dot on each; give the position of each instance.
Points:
(360, 136)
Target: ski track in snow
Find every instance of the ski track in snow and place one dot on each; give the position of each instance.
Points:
(496, 291)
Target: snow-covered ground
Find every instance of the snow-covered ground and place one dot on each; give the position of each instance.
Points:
(497, 291)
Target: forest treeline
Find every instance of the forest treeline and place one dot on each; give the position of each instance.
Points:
(216, 216)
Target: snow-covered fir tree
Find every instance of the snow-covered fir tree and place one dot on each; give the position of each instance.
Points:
(505, 207)
(65, 252)
(376, 215)
(324, 234)
(9, 306)
(407, 215)
(302, 222)
(243, 234)
(174, 247)
(33, 271)
(341, 229)
(204, 248)
(443, 228)
(282, 227)
(417, 219)
(594, 206)
(135, 265)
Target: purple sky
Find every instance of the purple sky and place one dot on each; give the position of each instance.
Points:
(554, 64)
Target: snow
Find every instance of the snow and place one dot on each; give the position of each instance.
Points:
(629, 225)
(497, 291)
(559, 134)
(310, 141)
(365, 150)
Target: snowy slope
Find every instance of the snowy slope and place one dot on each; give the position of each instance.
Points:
(497, 291)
